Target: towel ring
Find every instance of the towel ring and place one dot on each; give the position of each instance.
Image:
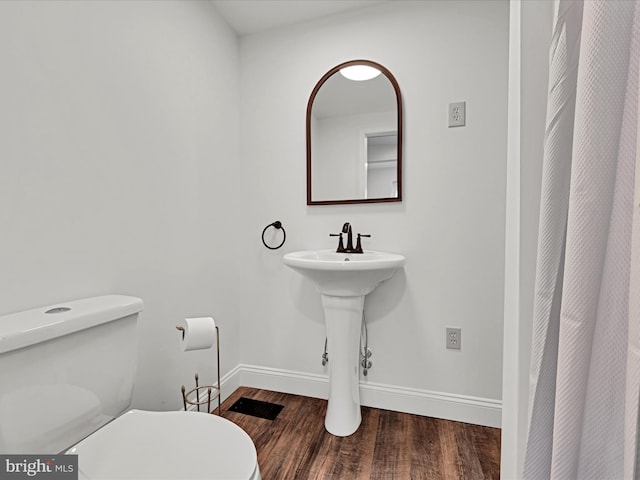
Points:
(278, 226)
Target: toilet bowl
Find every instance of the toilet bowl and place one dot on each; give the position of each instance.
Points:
(66, 380)
(167, 445)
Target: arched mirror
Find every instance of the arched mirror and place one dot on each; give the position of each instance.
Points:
(354, 136)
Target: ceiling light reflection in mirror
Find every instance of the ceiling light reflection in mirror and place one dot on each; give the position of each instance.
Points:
(360, 73)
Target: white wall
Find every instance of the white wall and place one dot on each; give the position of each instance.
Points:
(450, 226)
(119, 141)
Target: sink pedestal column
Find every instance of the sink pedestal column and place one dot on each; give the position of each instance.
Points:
(343, 317)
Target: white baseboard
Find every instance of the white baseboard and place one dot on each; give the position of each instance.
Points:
(461, 408)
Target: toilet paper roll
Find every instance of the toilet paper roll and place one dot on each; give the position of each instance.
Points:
(199, 333)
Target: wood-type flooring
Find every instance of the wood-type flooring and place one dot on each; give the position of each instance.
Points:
(388, 445)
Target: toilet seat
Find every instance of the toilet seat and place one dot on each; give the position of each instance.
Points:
(167, 445)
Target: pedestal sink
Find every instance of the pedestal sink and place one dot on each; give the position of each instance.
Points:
(343, 280)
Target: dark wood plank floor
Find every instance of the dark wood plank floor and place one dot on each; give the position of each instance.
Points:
(388, 445)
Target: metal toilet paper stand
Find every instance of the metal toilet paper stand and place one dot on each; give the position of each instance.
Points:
(208, 392)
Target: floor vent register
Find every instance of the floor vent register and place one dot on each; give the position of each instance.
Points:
(256, 408)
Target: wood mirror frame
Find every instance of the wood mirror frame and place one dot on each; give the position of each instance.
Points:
(394, 84)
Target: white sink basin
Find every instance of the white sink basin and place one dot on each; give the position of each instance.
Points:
(345, 274)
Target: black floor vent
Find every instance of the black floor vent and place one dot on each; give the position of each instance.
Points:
(256, 408)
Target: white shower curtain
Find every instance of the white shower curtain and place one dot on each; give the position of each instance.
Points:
(585, 365)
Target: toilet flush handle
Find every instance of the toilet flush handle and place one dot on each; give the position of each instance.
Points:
(181, 328)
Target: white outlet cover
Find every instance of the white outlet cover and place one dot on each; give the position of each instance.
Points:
(457, 114)
(454, 338)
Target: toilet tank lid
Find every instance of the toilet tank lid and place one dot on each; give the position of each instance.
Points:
(26, 328)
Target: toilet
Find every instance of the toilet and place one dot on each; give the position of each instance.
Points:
(66, 383)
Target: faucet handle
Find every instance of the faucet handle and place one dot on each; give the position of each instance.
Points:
(358, 248)
(340, 248)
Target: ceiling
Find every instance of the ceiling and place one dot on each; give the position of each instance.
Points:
(252, 16)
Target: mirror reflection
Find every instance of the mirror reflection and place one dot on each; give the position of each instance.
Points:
(354, 136)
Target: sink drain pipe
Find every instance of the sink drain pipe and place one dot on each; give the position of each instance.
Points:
(365, 351)
(325, 355)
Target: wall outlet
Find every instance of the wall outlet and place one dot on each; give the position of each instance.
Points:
(454, 338)
(457, 114)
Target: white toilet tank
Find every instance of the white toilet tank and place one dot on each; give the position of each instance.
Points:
(65, 370)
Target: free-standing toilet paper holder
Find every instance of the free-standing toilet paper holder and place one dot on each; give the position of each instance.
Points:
(212, 391)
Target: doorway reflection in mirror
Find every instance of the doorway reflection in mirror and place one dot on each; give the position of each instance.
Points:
(381, 164)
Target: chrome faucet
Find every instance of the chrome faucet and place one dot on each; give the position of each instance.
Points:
(346, 229)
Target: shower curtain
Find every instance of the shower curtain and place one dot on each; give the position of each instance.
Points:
(585, 363)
